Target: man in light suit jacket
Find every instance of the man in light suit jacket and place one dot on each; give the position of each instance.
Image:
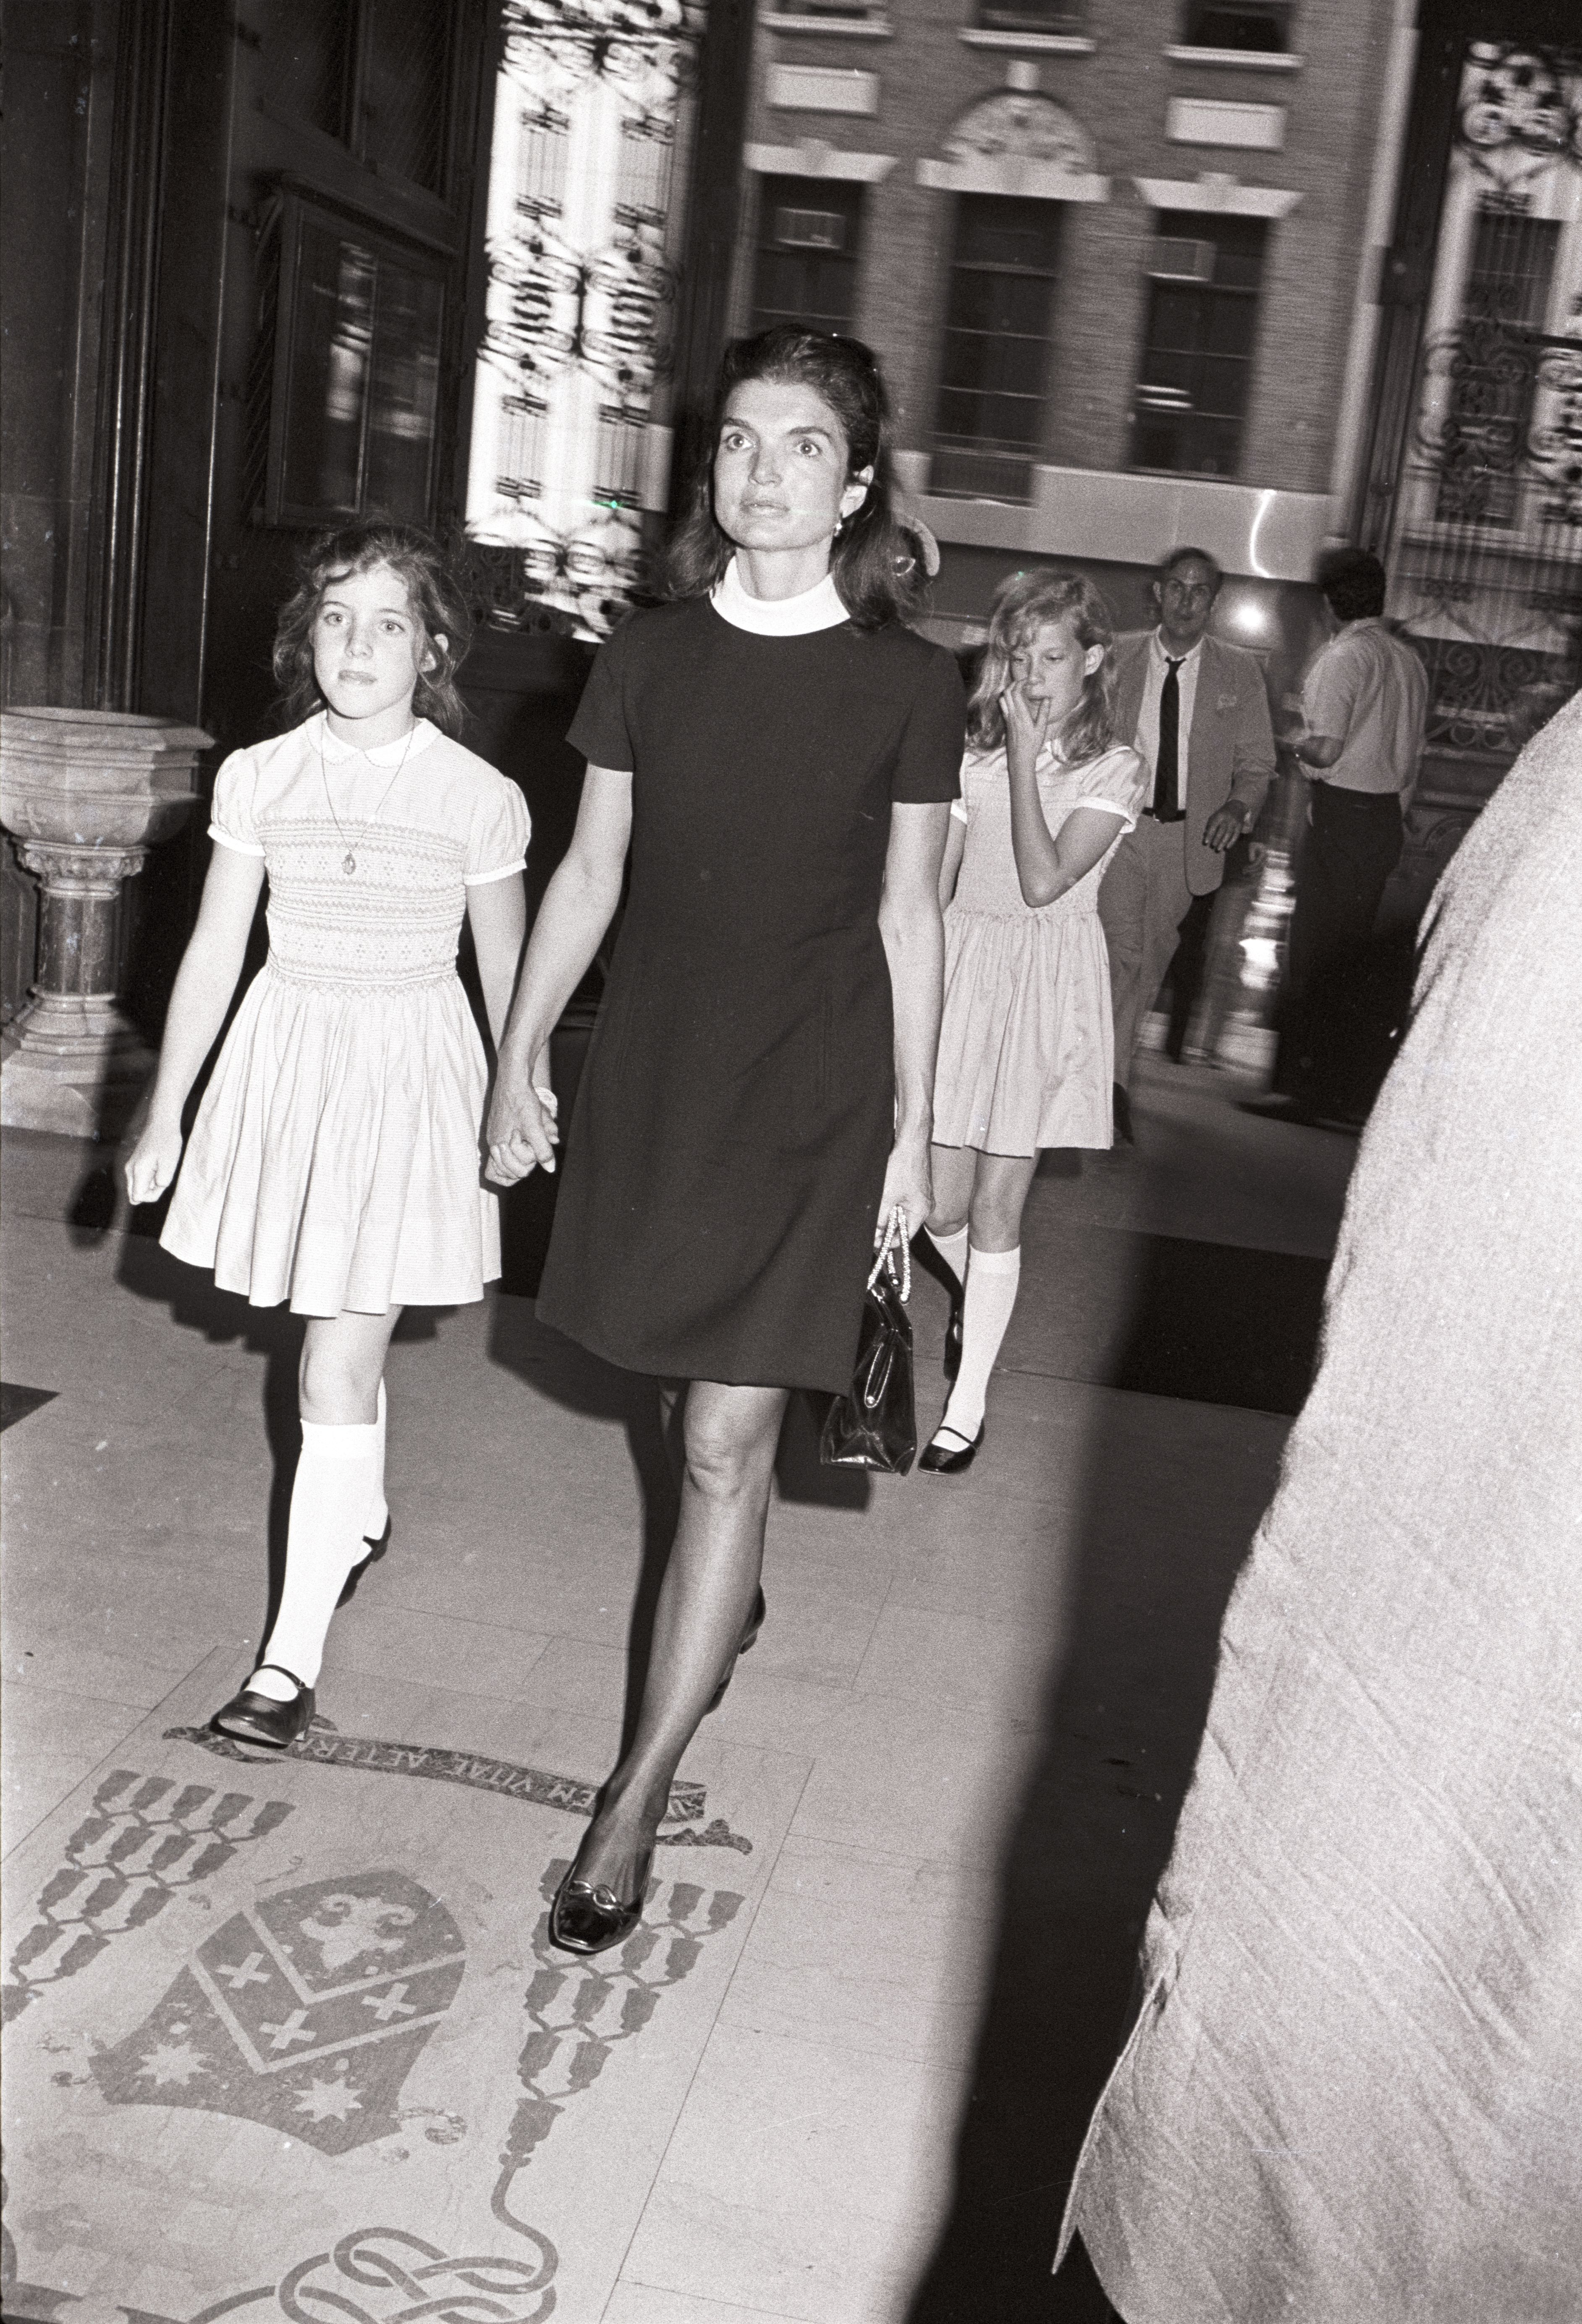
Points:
(1197, 710)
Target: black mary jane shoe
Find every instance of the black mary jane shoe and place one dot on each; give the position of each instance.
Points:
(749, 1640)
(374, 1552)
(941, 1461)
(252, 1718)
(585, 1919)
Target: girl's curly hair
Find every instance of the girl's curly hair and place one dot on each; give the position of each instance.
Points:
(432, 592)
(1023, 606)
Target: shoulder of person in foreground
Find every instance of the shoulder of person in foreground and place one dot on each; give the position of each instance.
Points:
(1528, 836)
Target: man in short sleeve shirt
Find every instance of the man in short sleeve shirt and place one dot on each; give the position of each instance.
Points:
(1365, 703)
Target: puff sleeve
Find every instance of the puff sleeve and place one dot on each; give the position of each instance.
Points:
(231, 819)
(600, 730)
(961, 806)
(497, 834)
(928, 763)
(1118, 784)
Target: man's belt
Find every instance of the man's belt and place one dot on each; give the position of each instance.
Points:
(1166, 814)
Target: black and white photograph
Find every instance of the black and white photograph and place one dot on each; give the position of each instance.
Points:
(790, 1161)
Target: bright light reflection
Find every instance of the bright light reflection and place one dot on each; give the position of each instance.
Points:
(1250, 618)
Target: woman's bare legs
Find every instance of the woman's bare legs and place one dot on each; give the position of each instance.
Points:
(729, 1436)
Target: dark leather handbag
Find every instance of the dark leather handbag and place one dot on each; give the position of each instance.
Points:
(874, 1425)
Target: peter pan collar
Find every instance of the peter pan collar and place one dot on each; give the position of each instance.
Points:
(818, 608)
(383, 754)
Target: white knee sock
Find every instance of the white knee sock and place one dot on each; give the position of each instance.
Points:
(336, 1485)
(991, 1277)
(952, 1250)
(378, 1515)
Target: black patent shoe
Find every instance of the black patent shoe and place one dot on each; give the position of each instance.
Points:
(250, 1717)
(749, 1640)
(585, 1919)
(951, 1460)
(371, 1556)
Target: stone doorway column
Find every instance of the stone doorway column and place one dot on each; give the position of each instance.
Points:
(85, 795)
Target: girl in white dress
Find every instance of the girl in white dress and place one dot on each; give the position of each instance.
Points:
(1026, 1041)
(334, 1160)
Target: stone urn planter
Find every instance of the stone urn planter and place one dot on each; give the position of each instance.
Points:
(85, 794)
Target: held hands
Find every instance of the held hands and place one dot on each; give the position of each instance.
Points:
(522, 1133)
(152, 1162)
(909, 1186)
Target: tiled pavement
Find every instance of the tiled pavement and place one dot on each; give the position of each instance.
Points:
(285, 2038)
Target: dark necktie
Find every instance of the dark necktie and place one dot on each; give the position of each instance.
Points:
(1164, 808)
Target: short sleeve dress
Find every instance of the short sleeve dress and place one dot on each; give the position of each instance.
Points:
(725, 1157)
(1027, 1042)
(334, 1161)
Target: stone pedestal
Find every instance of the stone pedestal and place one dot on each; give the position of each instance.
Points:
(85, 795)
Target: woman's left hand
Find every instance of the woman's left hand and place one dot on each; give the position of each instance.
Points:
(909, 1186)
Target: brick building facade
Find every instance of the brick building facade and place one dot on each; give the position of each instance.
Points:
(1197, 140)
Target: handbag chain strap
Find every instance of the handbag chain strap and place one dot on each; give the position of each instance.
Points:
(896, 1238)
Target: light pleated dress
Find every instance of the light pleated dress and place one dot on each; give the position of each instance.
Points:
(336, 1162)
(1027, 1042)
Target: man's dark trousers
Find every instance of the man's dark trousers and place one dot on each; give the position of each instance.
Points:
(1333, 1045)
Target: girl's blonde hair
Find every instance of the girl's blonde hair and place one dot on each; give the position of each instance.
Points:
(436, 605)
(1022, 605)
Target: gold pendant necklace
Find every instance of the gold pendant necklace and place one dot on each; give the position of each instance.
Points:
(349, 861)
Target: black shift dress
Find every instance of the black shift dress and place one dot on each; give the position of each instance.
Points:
(726, 1158)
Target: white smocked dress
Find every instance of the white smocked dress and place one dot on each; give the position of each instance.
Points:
(1027, 1042)
(335, 1160)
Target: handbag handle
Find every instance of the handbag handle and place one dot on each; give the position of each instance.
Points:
(895, 1234)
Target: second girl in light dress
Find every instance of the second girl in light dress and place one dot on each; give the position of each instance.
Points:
(1026, 1042)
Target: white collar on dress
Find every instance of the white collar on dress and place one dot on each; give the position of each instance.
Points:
(818, 608)
(383, 755)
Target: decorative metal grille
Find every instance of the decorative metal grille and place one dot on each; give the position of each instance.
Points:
(593, 96)
(1485, 557)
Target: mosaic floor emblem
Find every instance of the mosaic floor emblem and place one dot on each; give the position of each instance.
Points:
(579, 2011)
(143, 1839)
(374, 2275)
(399, 2277)
(305, 2011)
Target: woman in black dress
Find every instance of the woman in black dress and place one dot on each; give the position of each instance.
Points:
(779, 753)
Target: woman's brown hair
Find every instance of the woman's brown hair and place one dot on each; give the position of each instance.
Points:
(431, 593)
(874, 567)
(1022, 605)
